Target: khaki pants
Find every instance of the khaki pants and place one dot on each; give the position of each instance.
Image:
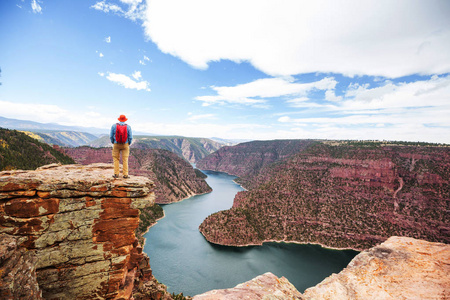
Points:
(125, 149)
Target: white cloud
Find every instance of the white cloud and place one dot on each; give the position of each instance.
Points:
(238, 130)
(194, 118)
(142, 61)
(108, 39)
(411, 111)
(37, 9)
(107, 7)
(133, 10)
(373, 37)
(100, 54)
(256, 92)
(101, 74)
(137, 75)
(48, 113)
(129, 83)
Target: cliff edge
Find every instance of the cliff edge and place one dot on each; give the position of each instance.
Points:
(74, 226)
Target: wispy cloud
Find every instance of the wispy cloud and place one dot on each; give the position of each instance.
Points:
(132, 10)
(46, 113)
(128, 82)
(143, 61)
(397, 111)
(108, 39)
(257, 92)
(37, 9)
(194, 118)
(137, 75)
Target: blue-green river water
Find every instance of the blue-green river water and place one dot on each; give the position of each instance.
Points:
(182, 259)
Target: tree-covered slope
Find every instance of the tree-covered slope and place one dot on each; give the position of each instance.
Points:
(19, 151)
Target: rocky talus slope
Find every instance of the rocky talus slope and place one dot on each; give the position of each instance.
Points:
(174, 177)
(400, 268)
(348, 195)
(73, 227)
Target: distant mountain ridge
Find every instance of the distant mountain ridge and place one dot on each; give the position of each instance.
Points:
(36, 126)
(190, 148)
(343, 194)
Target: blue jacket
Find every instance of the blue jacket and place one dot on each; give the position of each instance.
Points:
(112, 135)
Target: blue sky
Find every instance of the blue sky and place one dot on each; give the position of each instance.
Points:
(231, 69)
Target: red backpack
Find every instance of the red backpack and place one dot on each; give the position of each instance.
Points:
(121, 133)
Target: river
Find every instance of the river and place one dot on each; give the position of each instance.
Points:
(182, 259)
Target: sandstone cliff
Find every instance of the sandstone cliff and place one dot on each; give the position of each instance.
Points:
(75, 228)
(247, 159)
(350, 195)
(400, 268)
(174, 177)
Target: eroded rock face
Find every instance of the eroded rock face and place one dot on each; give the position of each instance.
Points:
(17, 271)
(80, 224)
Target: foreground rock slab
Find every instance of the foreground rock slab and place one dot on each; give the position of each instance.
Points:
(80, 225)
(266, 286)
(400, 268)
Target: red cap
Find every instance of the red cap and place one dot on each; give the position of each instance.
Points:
(122, 118)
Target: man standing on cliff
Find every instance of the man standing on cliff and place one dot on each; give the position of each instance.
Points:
(121, 137)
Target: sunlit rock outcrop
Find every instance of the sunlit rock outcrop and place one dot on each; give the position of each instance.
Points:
(79, 225)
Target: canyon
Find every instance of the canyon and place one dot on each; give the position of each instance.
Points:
(337, 194)
(69, 232)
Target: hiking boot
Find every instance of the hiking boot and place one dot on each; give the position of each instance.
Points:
(115, 176)
(126, 176)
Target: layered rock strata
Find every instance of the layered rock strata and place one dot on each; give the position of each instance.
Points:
(247, 159)
(400, 268)
(352, 195)
(79, 224)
